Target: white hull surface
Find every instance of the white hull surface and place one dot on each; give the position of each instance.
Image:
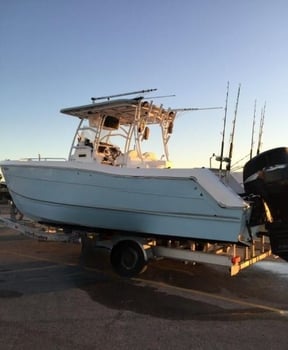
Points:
(188, 203)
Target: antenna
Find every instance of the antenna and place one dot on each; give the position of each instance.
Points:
(253, 127)
(224, 128)
(233, 129)
(123, 94)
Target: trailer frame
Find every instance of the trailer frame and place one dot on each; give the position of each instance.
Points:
(130, 254)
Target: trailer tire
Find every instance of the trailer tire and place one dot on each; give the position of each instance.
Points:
(128, 259)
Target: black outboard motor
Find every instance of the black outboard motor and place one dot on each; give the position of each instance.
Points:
(266, 175)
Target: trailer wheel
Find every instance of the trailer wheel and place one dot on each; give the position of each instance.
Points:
(128, 259)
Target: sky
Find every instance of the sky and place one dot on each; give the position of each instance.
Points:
(59, 53)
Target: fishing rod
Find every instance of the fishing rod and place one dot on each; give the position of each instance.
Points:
(224, 128)
(120, 95)
(261, 128)
(253, 127)
(233, 130)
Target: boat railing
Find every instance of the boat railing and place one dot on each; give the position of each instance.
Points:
(43, 159)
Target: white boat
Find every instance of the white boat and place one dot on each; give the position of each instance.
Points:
(112, 181)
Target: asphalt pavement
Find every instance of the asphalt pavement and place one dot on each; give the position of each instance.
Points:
(52, 298)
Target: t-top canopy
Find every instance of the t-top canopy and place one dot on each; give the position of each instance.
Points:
(126, 110)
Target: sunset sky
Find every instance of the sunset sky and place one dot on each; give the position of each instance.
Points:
(60, 53)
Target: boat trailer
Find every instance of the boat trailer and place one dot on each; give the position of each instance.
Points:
(130, 254)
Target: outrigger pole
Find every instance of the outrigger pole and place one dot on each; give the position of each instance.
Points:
(194, 109)
(164, 96)
(233, 130)
(124, 94)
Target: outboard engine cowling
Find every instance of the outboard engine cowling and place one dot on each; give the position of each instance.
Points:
(266, 175)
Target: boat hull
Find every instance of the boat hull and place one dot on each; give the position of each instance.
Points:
(156, 203)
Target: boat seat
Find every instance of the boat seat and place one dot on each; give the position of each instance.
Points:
(149, 160)
(152, 161)
(149, 156)
(133, 160)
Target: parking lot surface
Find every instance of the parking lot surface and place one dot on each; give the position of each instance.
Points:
(52, 298)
